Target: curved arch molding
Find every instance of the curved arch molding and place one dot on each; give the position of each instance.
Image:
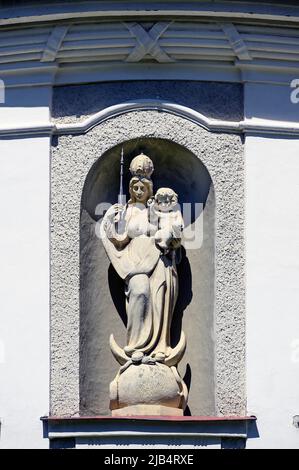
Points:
(213, 125)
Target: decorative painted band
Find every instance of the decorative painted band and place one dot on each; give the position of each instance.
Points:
(186, 419)
(156, 426)
(168, 434)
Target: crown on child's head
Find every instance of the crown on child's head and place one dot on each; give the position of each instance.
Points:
(142, 166)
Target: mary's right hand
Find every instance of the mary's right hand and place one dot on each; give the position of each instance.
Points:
(118, 208)
(113, 212)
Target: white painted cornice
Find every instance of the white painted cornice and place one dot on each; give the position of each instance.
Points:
(65, 54)
(140, 434)
(27, 130)
(213, 125)
(80, 42)
(44, 11)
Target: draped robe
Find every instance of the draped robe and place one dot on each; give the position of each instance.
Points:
(139, 255)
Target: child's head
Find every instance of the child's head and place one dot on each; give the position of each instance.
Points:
(165, 199)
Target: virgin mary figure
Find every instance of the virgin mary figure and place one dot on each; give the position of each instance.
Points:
(146, 261)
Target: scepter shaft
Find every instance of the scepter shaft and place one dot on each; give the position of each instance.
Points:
(121, 195)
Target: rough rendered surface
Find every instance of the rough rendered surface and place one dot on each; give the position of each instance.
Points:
(214, 100)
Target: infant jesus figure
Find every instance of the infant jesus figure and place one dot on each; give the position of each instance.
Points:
(166, 215)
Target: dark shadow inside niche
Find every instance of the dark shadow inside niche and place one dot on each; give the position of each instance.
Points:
(102, 299)
(185, 175)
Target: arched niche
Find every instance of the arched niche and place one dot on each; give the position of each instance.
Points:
(102, 301)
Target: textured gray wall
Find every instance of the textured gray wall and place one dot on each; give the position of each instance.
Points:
(72, 159)
(215, 100)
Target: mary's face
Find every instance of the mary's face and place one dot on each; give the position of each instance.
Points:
(140, 192)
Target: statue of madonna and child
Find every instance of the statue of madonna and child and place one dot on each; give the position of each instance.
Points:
(142, 240)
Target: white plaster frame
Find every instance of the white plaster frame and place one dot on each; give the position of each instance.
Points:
(66, 199)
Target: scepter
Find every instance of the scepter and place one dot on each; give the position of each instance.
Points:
(121, 196)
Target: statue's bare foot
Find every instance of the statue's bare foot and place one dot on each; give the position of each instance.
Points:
(160, 356)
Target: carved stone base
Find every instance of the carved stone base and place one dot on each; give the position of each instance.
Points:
(148, 410)
(147, 388)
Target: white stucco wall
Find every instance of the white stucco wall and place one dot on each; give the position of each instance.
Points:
(24, 275)
(272, 270)
(272, 273)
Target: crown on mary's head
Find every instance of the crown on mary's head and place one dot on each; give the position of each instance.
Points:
(142, 166)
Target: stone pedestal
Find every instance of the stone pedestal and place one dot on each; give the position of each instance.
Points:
(147, 389)
(148, 410)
